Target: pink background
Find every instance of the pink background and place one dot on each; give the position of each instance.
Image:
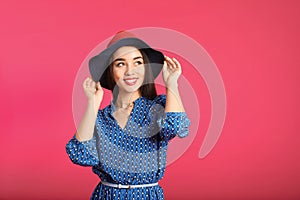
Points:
(255, 45)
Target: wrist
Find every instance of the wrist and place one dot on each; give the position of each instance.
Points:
(92, 104)
(172, 85)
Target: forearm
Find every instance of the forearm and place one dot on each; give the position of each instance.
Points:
(173, 100)
(86, 127)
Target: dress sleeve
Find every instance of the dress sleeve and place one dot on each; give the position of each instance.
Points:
(170, 124)
(83, 153)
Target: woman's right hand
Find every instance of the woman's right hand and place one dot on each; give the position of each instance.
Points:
(93, 91)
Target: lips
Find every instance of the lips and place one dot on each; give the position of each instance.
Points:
(130, 81)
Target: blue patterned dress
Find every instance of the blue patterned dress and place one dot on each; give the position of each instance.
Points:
(133, 155)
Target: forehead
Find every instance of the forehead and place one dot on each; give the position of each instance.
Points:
(126, 51)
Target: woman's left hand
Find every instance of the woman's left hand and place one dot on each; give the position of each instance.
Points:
(171, 71)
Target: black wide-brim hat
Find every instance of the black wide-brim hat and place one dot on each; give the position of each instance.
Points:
(99, 63)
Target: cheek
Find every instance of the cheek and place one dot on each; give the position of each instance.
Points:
(143, 75)
(141, 71)
(117, 75)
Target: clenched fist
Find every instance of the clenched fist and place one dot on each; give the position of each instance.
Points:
(93, 91)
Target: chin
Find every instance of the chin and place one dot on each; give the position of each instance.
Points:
(131, 90)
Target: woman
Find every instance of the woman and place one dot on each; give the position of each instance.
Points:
(126, 142)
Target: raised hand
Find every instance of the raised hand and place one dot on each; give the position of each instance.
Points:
(171, 71)
(93, 91)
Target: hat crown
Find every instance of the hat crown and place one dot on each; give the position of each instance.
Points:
(119, 36)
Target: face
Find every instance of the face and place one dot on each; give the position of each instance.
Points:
(128, 69)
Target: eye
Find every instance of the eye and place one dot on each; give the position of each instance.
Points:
(138, 62)
(120, 64)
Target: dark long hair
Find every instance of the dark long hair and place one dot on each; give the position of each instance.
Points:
(147, 89)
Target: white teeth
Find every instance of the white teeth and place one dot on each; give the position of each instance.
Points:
(130, 81)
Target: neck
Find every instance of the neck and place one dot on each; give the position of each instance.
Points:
(124, 100)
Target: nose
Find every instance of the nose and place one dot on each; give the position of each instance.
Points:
(129, 69)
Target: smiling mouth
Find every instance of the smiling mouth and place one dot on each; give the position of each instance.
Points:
(130, 81)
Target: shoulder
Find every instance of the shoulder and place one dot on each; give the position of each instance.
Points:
(104, 111)
(155, 105)
(160, 99)
(152, 107)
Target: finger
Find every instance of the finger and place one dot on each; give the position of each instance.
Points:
(90, 83)
(165, 66)
(85, 82)
(171, 63)
(93, 84)
(168, 65)
(86, 79)
(177, 63)
(98, 86)
(167, 58)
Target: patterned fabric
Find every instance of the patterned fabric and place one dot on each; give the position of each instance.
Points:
(133, 155)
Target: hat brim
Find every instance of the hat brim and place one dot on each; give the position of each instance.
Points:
(99, 63)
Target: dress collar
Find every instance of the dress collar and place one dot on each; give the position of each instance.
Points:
(113, 106)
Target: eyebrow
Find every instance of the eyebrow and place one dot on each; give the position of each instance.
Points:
(122, 59)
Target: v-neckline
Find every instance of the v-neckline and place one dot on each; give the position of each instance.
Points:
(129, 117)
(126, 124)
